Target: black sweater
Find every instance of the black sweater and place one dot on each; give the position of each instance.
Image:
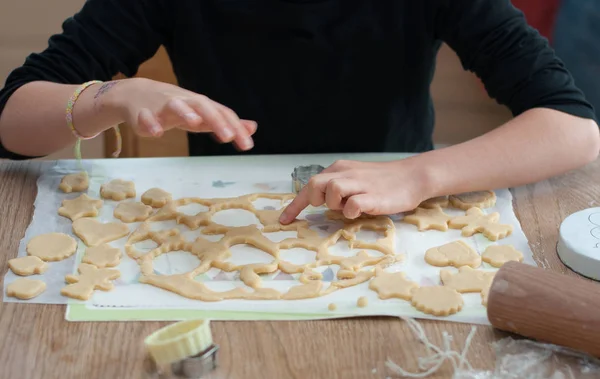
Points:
(317, 75)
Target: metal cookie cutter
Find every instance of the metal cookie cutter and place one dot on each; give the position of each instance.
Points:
(181, 350)
(302, 175)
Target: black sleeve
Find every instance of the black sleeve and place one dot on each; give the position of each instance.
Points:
(104, 38)
(515, 63)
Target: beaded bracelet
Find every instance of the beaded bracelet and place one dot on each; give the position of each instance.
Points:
(69, 118)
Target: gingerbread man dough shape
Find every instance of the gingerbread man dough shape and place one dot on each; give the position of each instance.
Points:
(117, 189)
(468, 200)
(457, 254)
(466, 279)
(82, 206)
(102, 256)
(91, 278)
(475, 221)
(93, 233)
(429, 218)
(392, 285)
(156, 197)
(437, 300)
(52, 247)
(132, 212)
(500, 254)
(25, 289)
(74, 182)
(29, 265)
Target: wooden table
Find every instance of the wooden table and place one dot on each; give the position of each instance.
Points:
(38, 343)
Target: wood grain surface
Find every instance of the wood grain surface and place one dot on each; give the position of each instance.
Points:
(38, 343)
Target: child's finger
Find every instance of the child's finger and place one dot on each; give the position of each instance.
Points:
(147, 124)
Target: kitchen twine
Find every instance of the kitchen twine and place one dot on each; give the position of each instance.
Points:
(69, 117)
(436, 355)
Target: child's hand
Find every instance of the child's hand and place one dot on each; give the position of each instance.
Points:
(362, 187)
(152, 107)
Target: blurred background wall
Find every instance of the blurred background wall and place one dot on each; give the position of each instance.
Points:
(463, 109)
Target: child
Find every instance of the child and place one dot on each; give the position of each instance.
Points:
(320, 76)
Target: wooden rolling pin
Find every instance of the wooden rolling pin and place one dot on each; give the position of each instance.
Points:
(546, 306)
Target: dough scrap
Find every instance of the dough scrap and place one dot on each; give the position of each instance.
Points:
(332, 307)
(475, 221)
(51, 247)
(156, 197)
(435, 202)
(25, 289)
(117, 189)
(82, 206)
(29, 265)
(479, 199)
(437, 300)
(429, 219)
(457, 254)
(93, 233)
(90, 278)
(362, 302)
(102, 256)
(214, 254)
(77, 182)
(466, 279)
(498, 255)
(132, 212)
(392, 285)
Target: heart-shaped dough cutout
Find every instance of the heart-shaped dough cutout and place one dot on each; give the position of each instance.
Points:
(93, 233)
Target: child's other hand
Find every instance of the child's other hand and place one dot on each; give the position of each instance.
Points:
(378, 188)
(152, 107)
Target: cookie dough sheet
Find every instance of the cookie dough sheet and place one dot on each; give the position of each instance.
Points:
(211, 178)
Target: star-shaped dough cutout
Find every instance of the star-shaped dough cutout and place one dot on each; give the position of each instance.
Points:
(475, 221)
(498, 255)
(429, 218)
(117, 189)
(392, 285)
(466, 279)
(82, 206)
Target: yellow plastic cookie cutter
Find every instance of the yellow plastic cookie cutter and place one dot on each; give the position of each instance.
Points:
(187, 346)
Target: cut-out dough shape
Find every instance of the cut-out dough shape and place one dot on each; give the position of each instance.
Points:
(156, 197)
(132, 212)
(25, 289)
(82, 206)
(117, 189)
(437, 300)
(475, 221)
(457, 254)
(29, 265)
(429, 219)
(498, 255)
(51, 247)
(392, 285)
(435, 202)
(102, 256)
(468, 200)
(466, 279)
(90, 278)
(77, 182)
(93, 233)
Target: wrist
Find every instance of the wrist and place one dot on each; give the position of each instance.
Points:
(109, 100)
(428, 175)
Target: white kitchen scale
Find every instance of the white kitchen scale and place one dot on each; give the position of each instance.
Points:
(579, 242)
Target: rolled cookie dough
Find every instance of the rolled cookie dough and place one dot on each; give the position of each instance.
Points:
(132, 212)
(457, 254)
(29, 265)
(479, 199)
(82, 206)
(102, 256)
(117, 189)
(437, 300)
(90, 278)
(156, 197)
(52, 247)
(93, 233)
(25, 289)
(429, 218)
(498, 255)
(74, 182)
(466, 279)
(475, 221)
